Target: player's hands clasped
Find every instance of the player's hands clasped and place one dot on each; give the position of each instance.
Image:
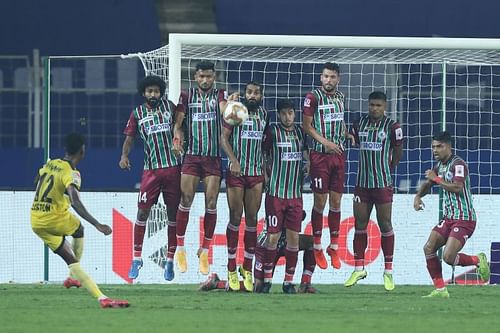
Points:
(418, 204)
(124, 163)
(104, 228)
(351, 139)
(177, 146)
(234, 97)
(235, 168)
(430, 174)
(332, 148)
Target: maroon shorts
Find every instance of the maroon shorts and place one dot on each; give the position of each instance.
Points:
(201, 166)
(283, 213)
(242, 181)
(327, 172)
(373, 195)
(458, 229)
(166, 181)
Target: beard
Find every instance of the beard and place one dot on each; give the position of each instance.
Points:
(251, 104)
(329, 88)
(154, 102)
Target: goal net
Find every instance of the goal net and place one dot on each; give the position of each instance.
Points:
(431, 84)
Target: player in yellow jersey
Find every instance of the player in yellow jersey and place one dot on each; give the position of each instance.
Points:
(58, 184)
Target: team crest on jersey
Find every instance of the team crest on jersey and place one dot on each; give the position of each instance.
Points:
(213, 103)
(381, 135)
(167, 116)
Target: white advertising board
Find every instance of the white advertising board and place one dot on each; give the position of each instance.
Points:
(106, 258)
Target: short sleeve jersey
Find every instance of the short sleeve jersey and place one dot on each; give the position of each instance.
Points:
(376, 141)
(155, 127)
(327, 112)
(457, 206)
(203, 119)
(51, 199)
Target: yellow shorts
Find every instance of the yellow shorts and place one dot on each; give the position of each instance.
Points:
(52, 232)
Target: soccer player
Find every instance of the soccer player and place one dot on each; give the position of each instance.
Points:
(459, 218)
(305, 244)
(381, 147)
(58, 183)
(244, 179)
(202, 109)
(153, 120)
(323, 121)
(284, 149)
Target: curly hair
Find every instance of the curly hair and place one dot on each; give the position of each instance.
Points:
(151, 80)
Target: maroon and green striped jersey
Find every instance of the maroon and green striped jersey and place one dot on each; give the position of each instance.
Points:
(376, 141)
(285, 148)
(327, 111)
(246, 142)
(155, 126)
(457, 206)
(203, 119)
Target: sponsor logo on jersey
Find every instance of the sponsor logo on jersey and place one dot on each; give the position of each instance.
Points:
(363, 134)
(195, 105)
(145, 119)
(459, 171)
(158, 128)
(204, 116)
(291, 156)
(284, 144)
(251, 135)
(373, 146)
(330, 117)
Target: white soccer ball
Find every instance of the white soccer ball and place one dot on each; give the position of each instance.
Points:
(236, 113)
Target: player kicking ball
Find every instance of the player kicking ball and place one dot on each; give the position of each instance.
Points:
(58, 183)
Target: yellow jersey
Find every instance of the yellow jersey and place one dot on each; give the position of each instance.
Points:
(51, 199)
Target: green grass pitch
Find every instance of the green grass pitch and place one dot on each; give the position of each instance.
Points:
(181, 308)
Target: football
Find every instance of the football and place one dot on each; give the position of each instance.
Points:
(236, 113)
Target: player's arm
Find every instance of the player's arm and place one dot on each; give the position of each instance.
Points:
(418, 204)
(235, 168)
(397, 145)
(348, 135)
(180, 115)
(397, 153)
(78, 206)
(455, 186)
(126, 149)
(266, 153)
(306, 162)
(130, 131)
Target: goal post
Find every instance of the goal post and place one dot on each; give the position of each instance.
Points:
(177, 41)
(432, 84)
